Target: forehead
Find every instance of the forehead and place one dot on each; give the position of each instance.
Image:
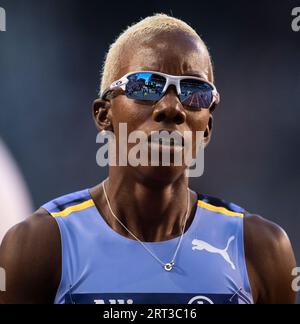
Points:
(175, 53)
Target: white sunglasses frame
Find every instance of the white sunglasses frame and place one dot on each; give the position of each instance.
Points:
(171, 80)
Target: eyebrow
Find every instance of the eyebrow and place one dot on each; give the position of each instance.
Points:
(195, 74)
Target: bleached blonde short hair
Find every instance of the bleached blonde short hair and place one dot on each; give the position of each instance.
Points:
(147, 27)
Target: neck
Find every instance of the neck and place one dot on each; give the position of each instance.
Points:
(152, 213)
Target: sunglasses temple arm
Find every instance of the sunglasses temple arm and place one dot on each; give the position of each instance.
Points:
(117, 84)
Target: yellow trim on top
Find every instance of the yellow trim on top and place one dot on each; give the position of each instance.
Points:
(221, 210)
(90, 203)
(75, 208)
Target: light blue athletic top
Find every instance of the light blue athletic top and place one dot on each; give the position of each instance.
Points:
(100, 266)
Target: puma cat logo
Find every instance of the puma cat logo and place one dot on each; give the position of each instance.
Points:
(204, 246)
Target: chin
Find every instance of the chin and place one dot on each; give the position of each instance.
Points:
(159, 177)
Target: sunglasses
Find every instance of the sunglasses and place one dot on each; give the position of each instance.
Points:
(193, 92)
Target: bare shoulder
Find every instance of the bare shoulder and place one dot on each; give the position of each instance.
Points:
(31, 256)
(270, 261)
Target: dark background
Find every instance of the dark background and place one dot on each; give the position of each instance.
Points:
(50, 59)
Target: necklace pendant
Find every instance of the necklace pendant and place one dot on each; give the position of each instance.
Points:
(169, 266)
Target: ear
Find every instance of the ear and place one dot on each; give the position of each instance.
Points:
(208, 131)
(102, 115)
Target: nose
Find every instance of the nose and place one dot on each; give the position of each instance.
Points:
(169, 108)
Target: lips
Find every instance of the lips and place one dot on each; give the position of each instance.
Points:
(166, 138)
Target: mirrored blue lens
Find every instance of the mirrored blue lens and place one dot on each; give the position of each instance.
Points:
(145, 86)
(196, 93)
